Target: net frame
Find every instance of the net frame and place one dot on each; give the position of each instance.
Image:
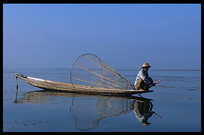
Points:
(115, 81)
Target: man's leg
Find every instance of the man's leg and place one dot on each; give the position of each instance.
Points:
(138, 86)
(145, 86)
(141, 85)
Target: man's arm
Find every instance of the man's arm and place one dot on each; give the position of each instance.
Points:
(144, 77)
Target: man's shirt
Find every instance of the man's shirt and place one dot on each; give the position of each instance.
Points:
(142, 75)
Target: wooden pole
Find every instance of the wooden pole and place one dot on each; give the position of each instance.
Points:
(16, 83)
(157, 115)
(16, 90)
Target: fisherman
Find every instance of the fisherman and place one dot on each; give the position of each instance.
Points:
(143, 81)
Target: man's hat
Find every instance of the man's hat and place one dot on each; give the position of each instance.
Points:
(146, 65)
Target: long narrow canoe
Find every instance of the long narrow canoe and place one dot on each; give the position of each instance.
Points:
(59, 86)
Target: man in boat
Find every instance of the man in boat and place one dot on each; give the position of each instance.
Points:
(143, 81)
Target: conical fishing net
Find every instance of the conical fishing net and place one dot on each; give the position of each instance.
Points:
(89, 70)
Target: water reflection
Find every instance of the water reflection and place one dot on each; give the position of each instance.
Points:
(88, 110)
(143, 111)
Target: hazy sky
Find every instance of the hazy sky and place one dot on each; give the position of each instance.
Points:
(168, 36)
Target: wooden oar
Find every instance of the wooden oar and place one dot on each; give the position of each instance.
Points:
(156, 83)
(157, 115)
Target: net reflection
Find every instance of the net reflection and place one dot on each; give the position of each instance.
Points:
(88, 111)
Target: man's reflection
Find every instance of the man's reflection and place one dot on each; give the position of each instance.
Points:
(143, 111)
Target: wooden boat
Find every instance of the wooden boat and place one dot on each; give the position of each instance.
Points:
(59, 86)
(88, 75)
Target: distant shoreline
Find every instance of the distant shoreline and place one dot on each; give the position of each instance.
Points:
(115, 69)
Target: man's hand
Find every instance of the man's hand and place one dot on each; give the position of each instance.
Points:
(153, 84)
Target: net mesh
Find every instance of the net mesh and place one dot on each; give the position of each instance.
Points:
(89, 70)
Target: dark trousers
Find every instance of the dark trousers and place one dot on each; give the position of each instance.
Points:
(142, 85)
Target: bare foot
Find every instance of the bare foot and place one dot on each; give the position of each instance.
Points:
(141, 90)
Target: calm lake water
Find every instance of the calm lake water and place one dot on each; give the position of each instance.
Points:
(174, 106)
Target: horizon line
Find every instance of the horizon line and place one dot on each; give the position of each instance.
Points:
(118, 69)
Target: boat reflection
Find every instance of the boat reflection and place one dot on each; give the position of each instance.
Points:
(88, 110)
